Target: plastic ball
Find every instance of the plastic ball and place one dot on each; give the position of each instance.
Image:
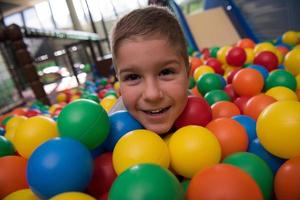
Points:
(108, 102)
(236, 56)
(72, 196)
(231, 135)
(223, 181)
(224, 109)
(281, 78)
(12, 174)
(191, 113)
(272, 123)
(248, 82)
(256, 104)
(232, 74)
(215, 64)
(264, 46)
(103, 175)
(192, 82)
(24, 194)
(298, 81)
(33, 112)
(140, 146)
(263, 71)
(213, 51)
(292, 60)
(287, 180)
(189, 141)
(290, 37)
(249, 124)
(203, 69)
(19, 111)
(256, 168)
(249, 56)
(282, 94)
(208, 82)
(215, 96)
(14, 122)
(267, 59)
(120, 123)
(241, 102)
(273, 162)
(146, 181)
(6, 147)
(230, 91)
(2, 131)
(221, 54)
(59, 165)
(32, 133)
(195, 63)
(85, 121)
(246, 43)
(61, 97)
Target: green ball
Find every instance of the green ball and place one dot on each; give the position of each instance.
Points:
(185, 184)
(215, 96)
(208, 82)
(147, 182)
(92, 96)
(213, 51)
(111, 92)
(6, 119)
(281, 77)
(103, 81)
(256, 168)
(6, 147)
(192, 82)
(85, 121)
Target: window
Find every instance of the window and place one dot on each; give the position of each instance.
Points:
(61, 13)
(31, 18)
(14, 19)
(44, 13)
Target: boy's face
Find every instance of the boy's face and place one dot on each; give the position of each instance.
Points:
(153, 82)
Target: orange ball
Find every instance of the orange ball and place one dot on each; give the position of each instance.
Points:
(196, 92)
(248, 82)
(256, 104)
(287, 180)
(245, 43)
(195, 62)
(224, 109)
(223, 181)
(12, 174)
(231, 135)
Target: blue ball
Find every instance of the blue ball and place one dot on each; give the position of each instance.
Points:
(249, 124)
(120, 123)
(264, 72)
(274, 162)
(2, 131)
(59, 165)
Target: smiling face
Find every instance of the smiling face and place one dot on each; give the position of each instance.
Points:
(153, 82)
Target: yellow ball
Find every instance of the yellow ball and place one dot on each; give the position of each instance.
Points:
(221, 54)
(193, 148)
(264, 46)
(108, 102)
(202, 69)
(281, 93)
(10, 135)
(61, 97)
(33, 132)
(117, 86)
(298, 81)
(140, 146)
(278, 128)
(72, 196)
(290, 37)
(23, 194)
(74, 97)
(250, 55)
(292, 60)
(14, 122)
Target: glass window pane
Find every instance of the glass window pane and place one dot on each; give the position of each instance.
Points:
(14, 19)
(122, 6)
(61, 13)
(31, 18)
(44, 14)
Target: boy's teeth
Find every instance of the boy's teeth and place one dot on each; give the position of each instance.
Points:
(156, 111)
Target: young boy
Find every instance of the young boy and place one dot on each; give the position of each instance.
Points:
(151, 62)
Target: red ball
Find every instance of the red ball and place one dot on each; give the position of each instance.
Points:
(103, 196)
(215, 64)
(32, 113)
(241, 102)
(236, 56)
(102, 93)
(267, 59)
(103, 175)
(230, 91)
(196, 112)
(287, 180)
(205, 53)
(231, 75)
(223, 181)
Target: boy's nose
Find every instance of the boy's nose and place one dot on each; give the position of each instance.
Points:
(152, 91)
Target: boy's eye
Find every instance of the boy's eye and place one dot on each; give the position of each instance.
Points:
(166, 72)
(131, 77)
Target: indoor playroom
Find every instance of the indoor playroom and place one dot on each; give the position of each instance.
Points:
(149, 100)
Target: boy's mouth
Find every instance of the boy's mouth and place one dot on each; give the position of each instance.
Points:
(157, 111)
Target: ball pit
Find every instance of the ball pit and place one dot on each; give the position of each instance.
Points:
(24, 194)
(282, 94)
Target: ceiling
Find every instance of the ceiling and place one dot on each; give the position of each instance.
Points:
(8, 7)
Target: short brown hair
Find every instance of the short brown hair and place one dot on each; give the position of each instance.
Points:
(149, 21)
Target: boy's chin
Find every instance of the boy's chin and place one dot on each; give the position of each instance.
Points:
(158, 129)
